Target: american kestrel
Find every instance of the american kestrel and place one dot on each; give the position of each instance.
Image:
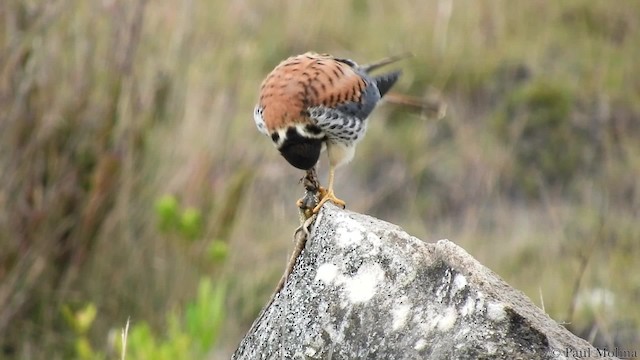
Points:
(312, 102)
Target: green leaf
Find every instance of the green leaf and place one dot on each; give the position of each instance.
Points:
(167, 210)
(191, 223)
(218, 251)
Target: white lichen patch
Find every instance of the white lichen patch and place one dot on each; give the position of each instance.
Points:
(400, 314)
(349, 235)
(459, 282)
(310, 352)
(469, 307)
(420, 344)
(359, 288)
(447, 320)
(376, 242)
(442, 321)
(495, 311)
(479, 301)
(362, 286)
(327, 273)
(491, 348)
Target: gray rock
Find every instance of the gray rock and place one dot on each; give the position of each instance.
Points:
(365, 289)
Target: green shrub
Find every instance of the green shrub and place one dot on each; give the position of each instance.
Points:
(189, 335)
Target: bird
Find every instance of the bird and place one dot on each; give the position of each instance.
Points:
(311, 103)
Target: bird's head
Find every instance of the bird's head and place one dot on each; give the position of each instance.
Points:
(300, 145)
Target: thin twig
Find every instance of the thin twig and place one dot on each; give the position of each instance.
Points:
(125, 334)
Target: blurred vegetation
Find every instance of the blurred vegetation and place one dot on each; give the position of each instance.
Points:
(130, 165)
(188, 335)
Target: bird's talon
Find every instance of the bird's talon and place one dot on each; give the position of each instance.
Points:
(329, 196)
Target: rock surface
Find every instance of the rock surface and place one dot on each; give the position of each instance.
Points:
(365, 289)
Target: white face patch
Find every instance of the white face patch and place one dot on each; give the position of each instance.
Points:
(303, 130)
(278, 136)
(259, 120)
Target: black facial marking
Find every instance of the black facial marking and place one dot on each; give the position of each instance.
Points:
(299, 151)
(275, 137)
(348, 62)
(313, 129)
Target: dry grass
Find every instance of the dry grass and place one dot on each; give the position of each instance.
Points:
(107, 105)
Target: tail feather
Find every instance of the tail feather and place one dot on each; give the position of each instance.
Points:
(386, 81)
(386, 61)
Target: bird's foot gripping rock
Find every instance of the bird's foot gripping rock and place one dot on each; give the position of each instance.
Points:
(328, 195)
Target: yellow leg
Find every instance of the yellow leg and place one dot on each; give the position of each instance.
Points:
(328, 195)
